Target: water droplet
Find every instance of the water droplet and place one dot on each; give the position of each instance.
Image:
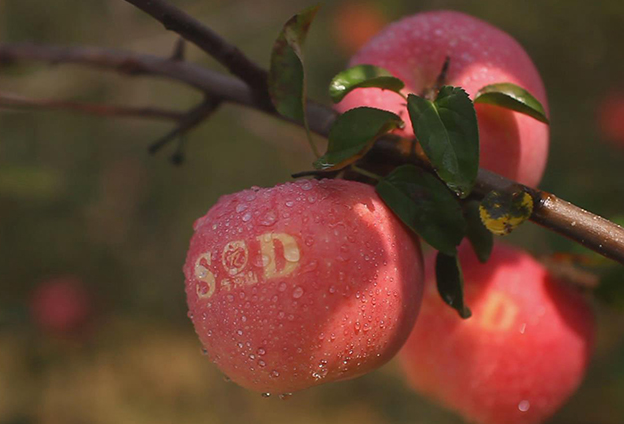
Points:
(230, 298)
(246, 217)
(261, 351)
(261, 363)
(268, 219)
(524, 406)
(240, 345)
(298, 292)
(307, 185)
(285, 396)
(332, 289)
(189, 314)
(291, 253)
(309, 241)
(275, 373)
(204, 351)
(282, 286)
(523, 328)
(265, 260)
(290, 203)
(266, 395)
(239, 332)
(241, 207)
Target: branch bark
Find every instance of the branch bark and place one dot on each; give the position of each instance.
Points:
(11, 101)
(206, 39)
(592, 231)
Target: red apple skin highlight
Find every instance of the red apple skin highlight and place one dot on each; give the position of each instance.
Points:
(302, 284)
(518, 358)
(414, 50)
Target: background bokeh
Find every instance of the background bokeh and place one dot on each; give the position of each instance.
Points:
(80, 196)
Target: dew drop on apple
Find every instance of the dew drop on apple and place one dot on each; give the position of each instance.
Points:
(291, 253)
(298, 292)
(285, 396)
(524, 406)
(266, 395)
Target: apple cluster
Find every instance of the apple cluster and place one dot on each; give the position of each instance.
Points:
(317, 280)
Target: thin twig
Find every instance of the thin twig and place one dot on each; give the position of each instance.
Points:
(190, 120)
(12, 101)
(206, 39)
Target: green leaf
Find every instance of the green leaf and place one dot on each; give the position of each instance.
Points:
(361, 76)
(503, 211)
(287, 83)
(450, 282)
(512, 97)
(448, 133)
(425, 205)
(480, 237)
(353, 134)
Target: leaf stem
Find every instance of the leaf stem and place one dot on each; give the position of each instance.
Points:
(366, 173)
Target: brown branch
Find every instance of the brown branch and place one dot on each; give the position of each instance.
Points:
(206, 39)
(190, 120)
(12, 101)
(592, 231)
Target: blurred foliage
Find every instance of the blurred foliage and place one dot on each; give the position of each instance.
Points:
(92, 203)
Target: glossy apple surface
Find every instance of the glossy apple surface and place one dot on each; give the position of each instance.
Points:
(414, 49)
(518, 358)
(301, 284)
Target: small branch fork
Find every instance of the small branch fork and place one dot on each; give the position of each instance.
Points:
(248, 88)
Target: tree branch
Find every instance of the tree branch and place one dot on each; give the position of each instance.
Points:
(12, 101)
(592, 231)
(206, 39)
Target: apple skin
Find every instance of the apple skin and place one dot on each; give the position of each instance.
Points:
(414, 50)
(302, 284)
(356, 22)
(611, 118)
(518, 358)
(61, 306)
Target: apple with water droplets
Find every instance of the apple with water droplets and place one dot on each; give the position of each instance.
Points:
(415, 48)
(302, 284)
(519, 357)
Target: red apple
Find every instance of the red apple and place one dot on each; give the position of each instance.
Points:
(414, 50)
(355, 22)
(611, 118)
(518, 358)
(302, 284)
(61, 306)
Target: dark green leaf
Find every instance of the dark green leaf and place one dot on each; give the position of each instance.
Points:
(448, 133)
(503, 211)
(450, 281)
(512, 97)
(286, 77)
(480, 237)
(353, 134)
(425, 205)
(361, 76)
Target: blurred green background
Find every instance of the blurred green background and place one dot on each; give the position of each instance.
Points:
(80, 196)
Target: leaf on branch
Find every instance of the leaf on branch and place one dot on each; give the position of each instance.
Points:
(425, 205)
(363, 76)
(450, 282)
(512, 97)
(448, 133)
(353, 134)
(479, 236)
(287, 83)
(503, 211)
